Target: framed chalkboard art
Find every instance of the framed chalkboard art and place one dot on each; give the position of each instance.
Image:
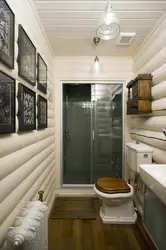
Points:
(7, 104)
(41, 74)
(7, 34)
(42, 112)
(26, 57)
(26, 108)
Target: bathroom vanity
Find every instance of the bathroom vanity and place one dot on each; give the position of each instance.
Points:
(154, 208)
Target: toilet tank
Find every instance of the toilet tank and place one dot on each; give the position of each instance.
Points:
(138, 154)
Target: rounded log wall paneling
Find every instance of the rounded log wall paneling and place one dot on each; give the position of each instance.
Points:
(159, 104)
(15, 142)
(149, 129)
(23, 156)
(27, 159)
(46, 183)
(159, 90)
(7, 184)
(18, 193)
(155, 123)
(150, 137)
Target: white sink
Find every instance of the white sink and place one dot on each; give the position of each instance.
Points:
(154, 176)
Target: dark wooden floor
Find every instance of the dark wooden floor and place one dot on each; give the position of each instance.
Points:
(93, 235)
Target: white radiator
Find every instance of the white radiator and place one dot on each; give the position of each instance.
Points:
(30, 230)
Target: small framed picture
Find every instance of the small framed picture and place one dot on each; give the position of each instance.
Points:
(7, 34)
(41, 74)
(7, 104)
(26, 108)
(26, 57)
(42, 112)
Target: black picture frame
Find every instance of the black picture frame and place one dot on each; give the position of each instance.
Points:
(41, 74)
(7, 103)
(26, 57)
(7, 34)
(42, 112)
(26, 108)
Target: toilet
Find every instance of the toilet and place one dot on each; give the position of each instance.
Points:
(117, 195)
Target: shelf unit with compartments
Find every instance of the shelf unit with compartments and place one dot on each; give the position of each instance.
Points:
(139, 95)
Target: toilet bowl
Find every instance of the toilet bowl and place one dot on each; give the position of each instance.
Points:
(117, 201)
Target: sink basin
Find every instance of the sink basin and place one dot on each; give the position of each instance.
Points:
(154, 176)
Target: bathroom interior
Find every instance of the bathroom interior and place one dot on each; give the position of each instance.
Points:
(83, 121)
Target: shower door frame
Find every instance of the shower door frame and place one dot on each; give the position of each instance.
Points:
(92, 82)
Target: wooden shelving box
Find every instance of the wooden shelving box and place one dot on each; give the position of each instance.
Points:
(139, 95)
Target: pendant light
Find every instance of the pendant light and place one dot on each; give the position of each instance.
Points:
(109, 27)
(96, 65)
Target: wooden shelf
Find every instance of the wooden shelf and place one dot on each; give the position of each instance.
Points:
(153, 113)
(139, 95)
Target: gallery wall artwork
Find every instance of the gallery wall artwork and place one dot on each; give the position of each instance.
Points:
(7, 37)
(26, 57)
(42, 112)
(41, 74)
(7, 104)
(26, 109)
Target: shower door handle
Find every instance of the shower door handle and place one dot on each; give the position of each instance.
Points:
(66, 134)
(93, 134)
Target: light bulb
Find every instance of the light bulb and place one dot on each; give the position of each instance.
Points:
(96, 65)
(108, 14)
(109, 17)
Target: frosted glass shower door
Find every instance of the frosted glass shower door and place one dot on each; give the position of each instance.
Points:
(77, 134)
(107, 132)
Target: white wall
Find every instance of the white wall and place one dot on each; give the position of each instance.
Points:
(78, 68)
(151, 59)
(27, 159)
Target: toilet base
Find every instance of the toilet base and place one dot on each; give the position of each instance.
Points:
(117, 219)
(117, 208)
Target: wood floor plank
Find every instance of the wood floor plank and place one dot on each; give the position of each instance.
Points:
(87, 240)
(54, 234)
(77, 234)
(110, 237)
(67, 228)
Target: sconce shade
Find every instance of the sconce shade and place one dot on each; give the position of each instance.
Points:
(96, 67)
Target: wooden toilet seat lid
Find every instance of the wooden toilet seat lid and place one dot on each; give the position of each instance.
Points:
(112, 185)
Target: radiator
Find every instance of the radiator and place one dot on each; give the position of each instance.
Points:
(30, 230)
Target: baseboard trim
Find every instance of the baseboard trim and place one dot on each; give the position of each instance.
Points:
(145, 234)
(76, 192)
(51, 204)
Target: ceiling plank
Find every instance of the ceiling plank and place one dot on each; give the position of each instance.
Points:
(83, 32)
(102, 1)
(93, 5)
(97, 14)
(94, 22)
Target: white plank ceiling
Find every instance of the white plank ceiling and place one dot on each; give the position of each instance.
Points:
(71, 25)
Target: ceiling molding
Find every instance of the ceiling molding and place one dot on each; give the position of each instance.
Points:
(31, 2)
(159, 26)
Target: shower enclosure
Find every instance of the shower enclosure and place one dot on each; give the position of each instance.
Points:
(92, 132)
